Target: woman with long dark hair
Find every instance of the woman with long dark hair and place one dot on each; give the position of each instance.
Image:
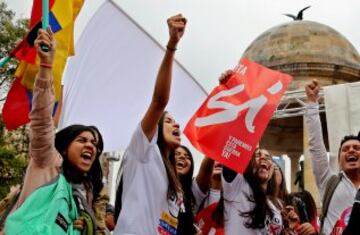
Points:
(197, 190)
(247, 207)
(184, 165)
(47, 203)
(276, 189)
(149, 195)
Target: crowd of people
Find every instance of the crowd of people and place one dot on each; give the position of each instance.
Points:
(157, 193)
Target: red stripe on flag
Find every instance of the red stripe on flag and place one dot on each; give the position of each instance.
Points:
(36, 13)
(17, 106)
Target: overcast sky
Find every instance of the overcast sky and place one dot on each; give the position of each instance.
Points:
(219, 31)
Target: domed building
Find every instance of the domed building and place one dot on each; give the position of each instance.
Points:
(306, 50)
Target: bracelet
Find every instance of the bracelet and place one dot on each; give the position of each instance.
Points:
(49, 66)
(170, 48)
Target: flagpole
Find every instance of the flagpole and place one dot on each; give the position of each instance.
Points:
(4, 61)
(45, 20)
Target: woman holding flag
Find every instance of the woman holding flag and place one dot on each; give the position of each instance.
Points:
(47, 203)
(149, 195)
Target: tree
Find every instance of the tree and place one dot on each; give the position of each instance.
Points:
(13, 157)
(13, 145)
(11, 32)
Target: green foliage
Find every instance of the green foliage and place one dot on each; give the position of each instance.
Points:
(12, 168)
(11, 32)
(13, 145)
(13, 157)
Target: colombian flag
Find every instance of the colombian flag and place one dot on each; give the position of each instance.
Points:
(62, 15)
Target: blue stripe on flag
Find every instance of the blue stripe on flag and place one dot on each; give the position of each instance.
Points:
(55, 26)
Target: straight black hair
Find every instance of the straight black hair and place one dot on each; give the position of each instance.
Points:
(64, 138)
(174, 186)
(277, 194)
(256, 217)
(186, 219)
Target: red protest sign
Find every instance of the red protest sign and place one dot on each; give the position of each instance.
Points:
(231, 121)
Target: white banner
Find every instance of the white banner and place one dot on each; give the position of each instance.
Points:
(110, 81)
(342, 106)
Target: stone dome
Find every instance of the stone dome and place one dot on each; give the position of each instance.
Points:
(307, 49)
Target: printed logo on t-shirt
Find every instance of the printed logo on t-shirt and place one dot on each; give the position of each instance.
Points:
(168, 220)
(273, 226)
(206, 223)
(341, 224)
(176, 205)
(168, 224)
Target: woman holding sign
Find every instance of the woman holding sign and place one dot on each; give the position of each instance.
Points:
(247, 207)
(149, 194)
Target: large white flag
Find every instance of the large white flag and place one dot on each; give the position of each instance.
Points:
(342, 105)
(109, 83)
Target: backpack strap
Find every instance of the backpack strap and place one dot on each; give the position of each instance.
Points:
(328, 193)
(84, 211)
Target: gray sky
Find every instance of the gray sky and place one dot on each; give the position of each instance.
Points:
(220, 30)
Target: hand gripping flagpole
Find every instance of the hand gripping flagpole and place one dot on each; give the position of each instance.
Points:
(45, 25)
(45, 21)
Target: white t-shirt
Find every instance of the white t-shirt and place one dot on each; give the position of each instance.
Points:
(145, 208)
(236, 201)
(211, 197)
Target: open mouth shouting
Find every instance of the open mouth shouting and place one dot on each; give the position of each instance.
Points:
(176, 133)
(263, 169)
(87, 157)
(264, 166)
(180, 164)
(182, 160)
(352, 159)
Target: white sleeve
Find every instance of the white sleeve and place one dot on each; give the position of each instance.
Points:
(232, 189)
(139, 145)
(198, 194)
(320, 163)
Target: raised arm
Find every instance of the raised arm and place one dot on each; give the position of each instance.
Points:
(205, 172)
(44, 159)
(42, 150)
(228, 174)
(161, 93)
(317, 148)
